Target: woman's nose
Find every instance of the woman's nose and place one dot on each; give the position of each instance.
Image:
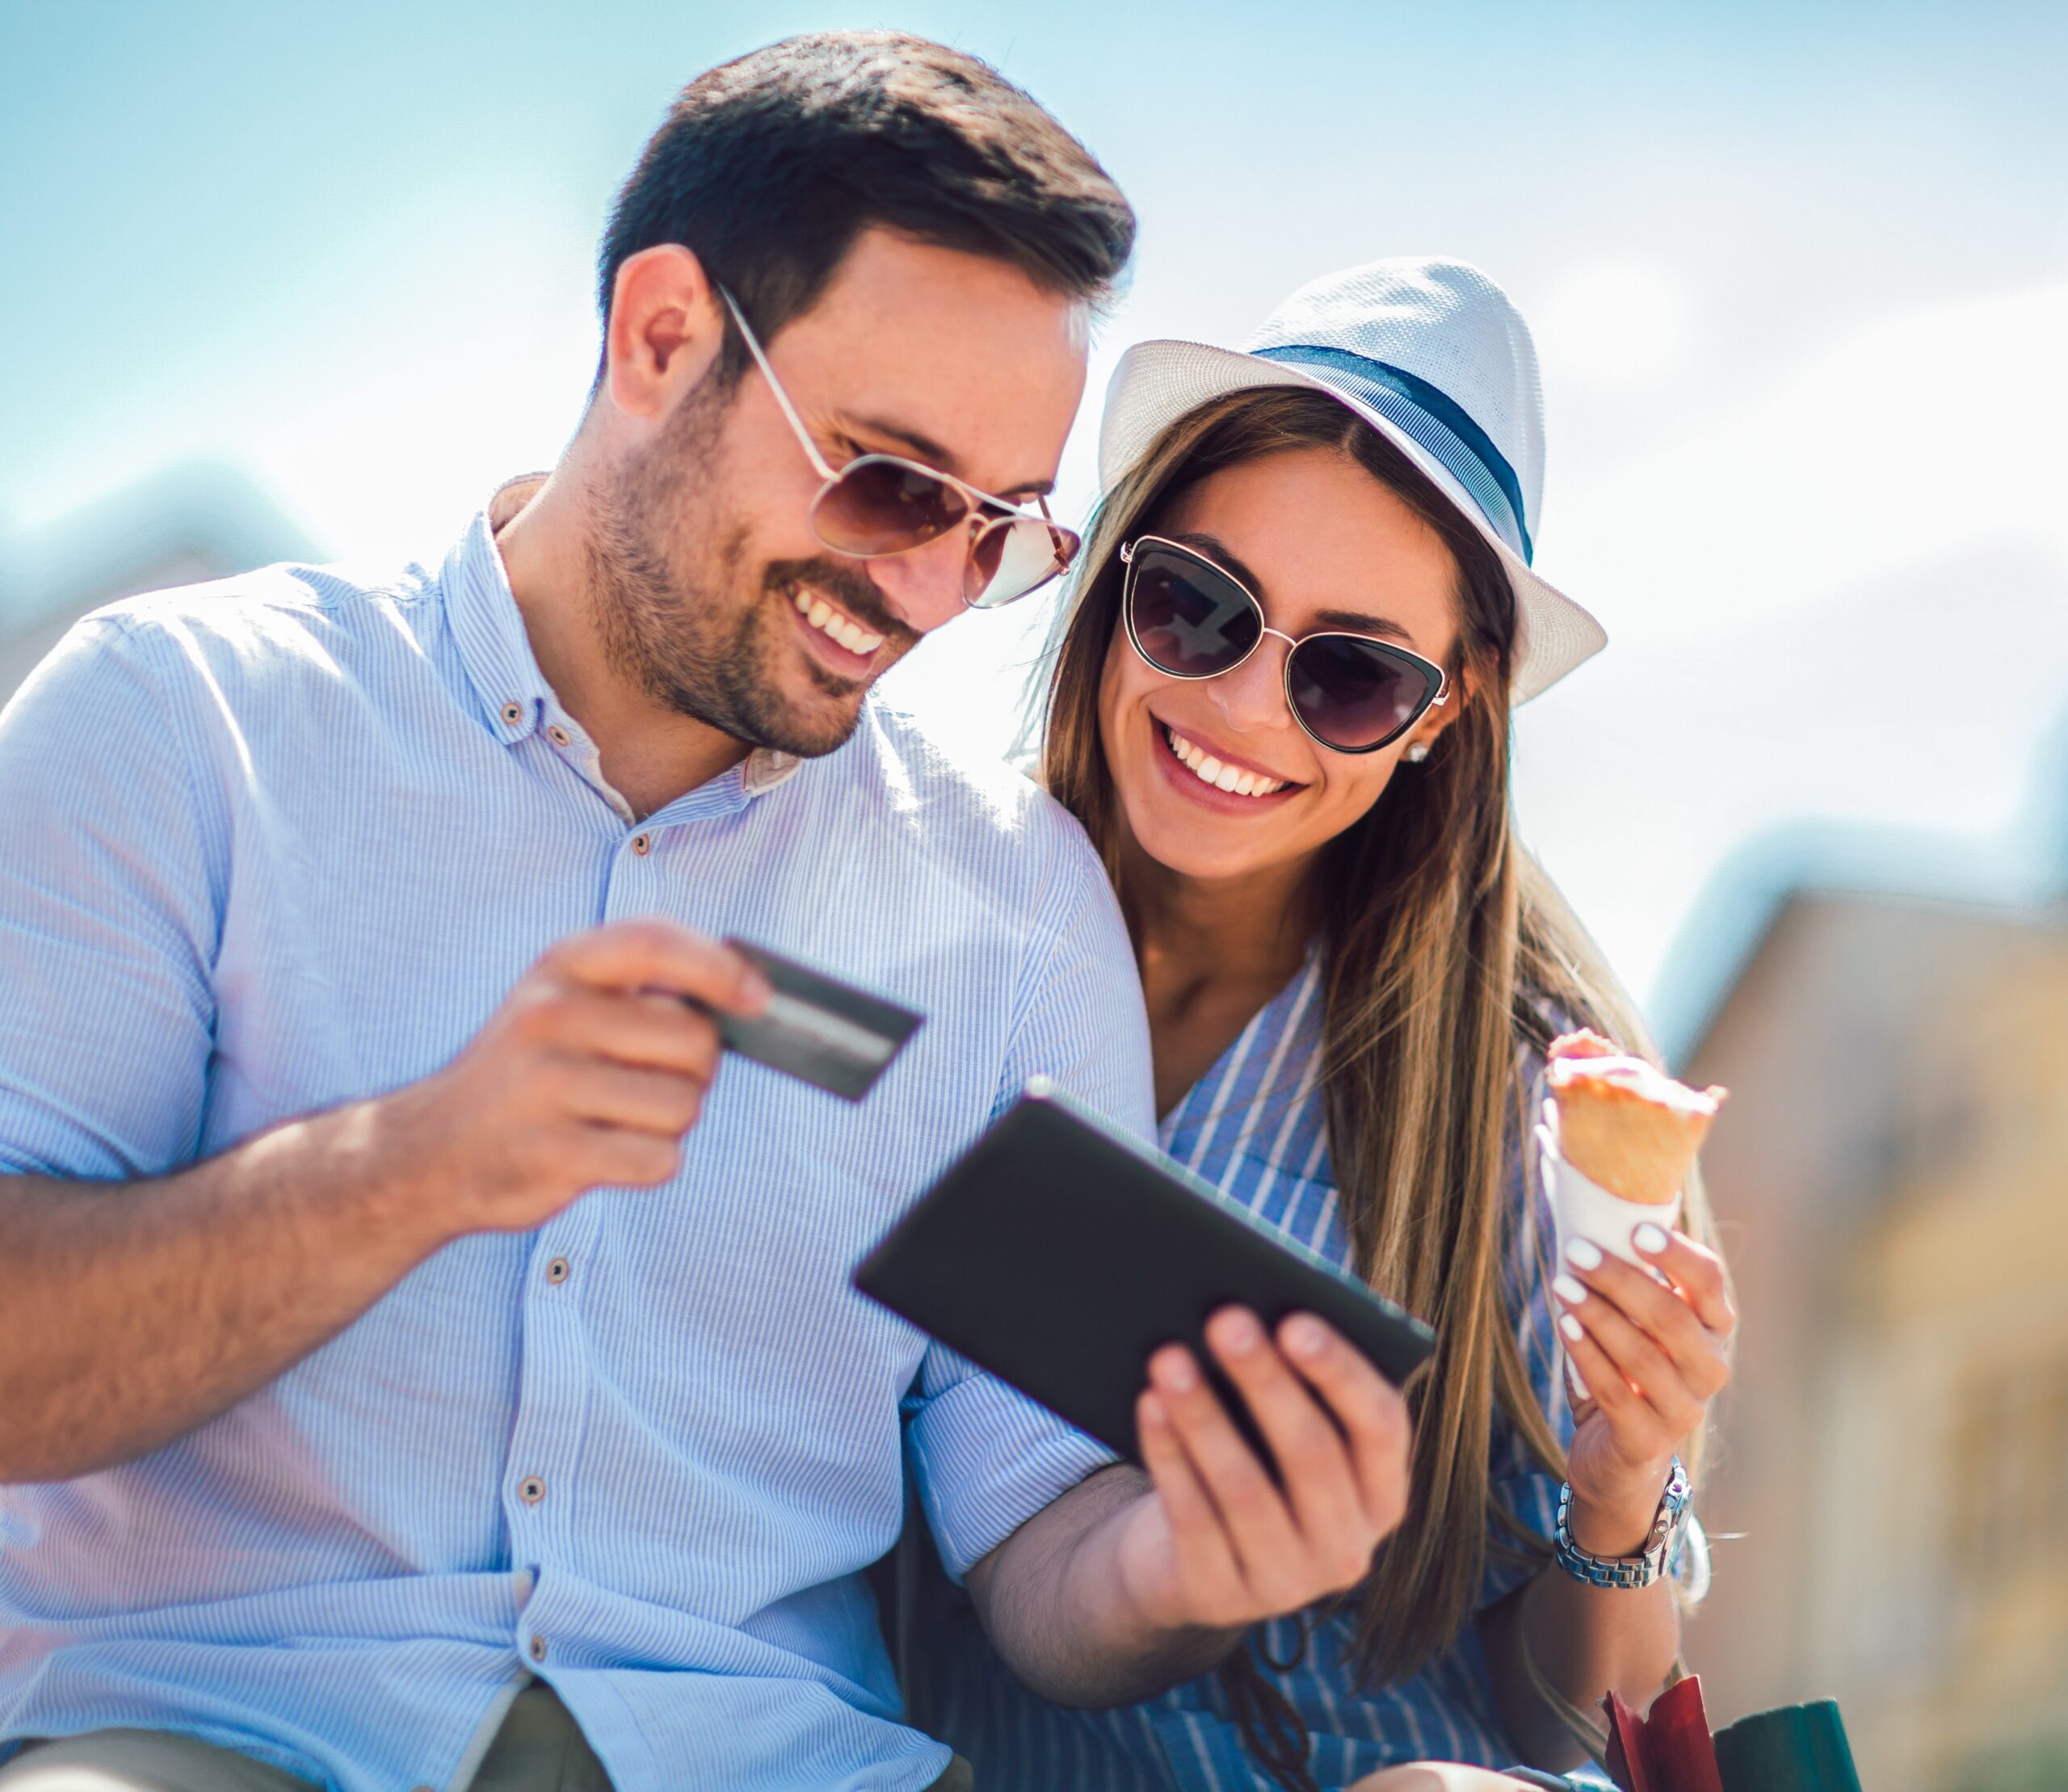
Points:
(1252, 697)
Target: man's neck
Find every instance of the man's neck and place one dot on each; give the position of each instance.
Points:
(651, 753)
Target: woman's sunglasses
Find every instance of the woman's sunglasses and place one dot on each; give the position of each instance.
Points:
(882, 504)
(1188, 619)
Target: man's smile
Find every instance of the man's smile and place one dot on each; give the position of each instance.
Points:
(821, 612)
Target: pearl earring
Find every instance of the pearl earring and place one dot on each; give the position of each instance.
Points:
(1417, 751)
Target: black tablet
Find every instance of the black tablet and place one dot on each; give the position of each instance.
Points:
(1059, 1254)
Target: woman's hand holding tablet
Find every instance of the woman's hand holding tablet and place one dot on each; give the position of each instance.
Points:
(1223, 1544)
(1256, 1384)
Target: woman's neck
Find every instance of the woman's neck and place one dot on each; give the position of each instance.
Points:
(1212, 953)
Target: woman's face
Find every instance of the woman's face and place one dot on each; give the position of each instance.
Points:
(1323, 545)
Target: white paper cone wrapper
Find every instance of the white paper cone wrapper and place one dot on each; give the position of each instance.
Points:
(1582, 1208)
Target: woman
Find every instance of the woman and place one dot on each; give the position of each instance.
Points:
(1280, 706)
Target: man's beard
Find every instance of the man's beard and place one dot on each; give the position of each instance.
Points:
(673, 607)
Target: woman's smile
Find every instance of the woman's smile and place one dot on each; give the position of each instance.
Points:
(1203, 770)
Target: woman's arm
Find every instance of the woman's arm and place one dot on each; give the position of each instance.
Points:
(1584, 1640)
(1651, 1356)
(1128, 1584)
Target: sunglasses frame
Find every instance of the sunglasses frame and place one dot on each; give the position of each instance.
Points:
(1437, 693)
(978, 500)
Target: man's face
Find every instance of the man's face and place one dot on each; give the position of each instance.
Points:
(712, 591)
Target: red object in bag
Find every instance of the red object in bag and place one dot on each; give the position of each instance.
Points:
(1667, 1750)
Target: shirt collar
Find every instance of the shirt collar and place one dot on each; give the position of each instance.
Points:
(489, 629)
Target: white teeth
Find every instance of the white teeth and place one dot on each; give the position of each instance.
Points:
(829, 621)
(1209, 770)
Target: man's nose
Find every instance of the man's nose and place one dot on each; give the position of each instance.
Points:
(924, 585)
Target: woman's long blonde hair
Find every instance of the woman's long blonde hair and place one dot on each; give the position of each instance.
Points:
(1449, 961)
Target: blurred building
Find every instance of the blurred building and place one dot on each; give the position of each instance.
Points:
(186, 524)
(1891, 1015)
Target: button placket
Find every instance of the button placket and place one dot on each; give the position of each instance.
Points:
(552, 1399)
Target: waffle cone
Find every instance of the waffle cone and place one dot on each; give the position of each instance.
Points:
(1623, 1124)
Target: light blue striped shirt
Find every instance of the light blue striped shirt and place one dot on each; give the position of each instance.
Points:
(288, 840)
(1255, 1126)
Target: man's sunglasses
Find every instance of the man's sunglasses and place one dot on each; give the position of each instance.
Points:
(1188, 619)
(883, 504)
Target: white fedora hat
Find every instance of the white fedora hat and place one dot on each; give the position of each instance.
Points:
(1431, 353)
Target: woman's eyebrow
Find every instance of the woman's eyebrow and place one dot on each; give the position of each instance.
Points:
(1356, 622)
(1352, 621)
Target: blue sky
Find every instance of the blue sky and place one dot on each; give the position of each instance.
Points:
(1799, 275)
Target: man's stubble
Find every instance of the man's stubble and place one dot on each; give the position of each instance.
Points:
(677, 613)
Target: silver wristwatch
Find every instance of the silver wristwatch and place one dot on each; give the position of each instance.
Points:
(1662, 1543)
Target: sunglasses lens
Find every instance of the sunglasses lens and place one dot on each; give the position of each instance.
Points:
(1356, 694)
(1013, 556)
(1186, 619)
(879, 505)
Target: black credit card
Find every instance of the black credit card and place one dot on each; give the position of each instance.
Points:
(830, 1034)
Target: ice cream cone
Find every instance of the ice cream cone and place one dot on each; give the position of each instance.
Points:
(1624, 1124)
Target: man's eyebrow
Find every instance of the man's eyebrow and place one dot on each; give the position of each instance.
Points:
(1352, 621)
(924, 448)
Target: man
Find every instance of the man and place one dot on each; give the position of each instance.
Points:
(350, 1436)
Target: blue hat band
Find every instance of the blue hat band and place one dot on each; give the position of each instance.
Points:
(1431, 418)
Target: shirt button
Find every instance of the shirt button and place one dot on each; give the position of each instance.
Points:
(558, 1270)
(642, 844)
(512, 714)
(530, 1490)
(556, 734)
(538, 1648)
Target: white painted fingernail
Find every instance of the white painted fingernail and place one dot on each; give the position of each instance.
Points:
(1569, 1290)
(1650, 1239)
(1583, 1254)
(1580, 1391)
(1571, 1326)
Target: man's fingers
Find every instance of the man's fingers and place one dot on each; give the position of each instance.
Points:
(1259, 1528)
(652, 1032)
(617, 1095)
(1369, 1408)
(638, 955)
(1314, 1461)
(601, 1157)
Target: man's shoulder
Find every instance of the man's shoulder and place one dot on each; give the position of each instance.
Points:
(953, 788)
(277, 604)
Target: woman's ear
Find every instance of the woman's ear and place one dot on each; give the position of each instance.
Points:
(1438, 717)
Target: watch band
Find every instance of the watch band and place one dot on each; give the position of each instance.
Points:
(1652, 1561)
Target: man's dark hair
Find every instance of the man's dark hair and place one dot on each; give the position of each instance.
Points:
(769, 167)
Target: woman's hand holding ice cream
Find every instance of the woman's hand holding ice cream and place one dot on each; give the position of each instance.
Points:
(1646, 1311)
(1650, 1356)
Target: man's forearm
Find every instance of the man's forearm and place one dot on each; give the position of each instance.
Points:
(1583, 1641)
(1052, 1604)
(136, 1311)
